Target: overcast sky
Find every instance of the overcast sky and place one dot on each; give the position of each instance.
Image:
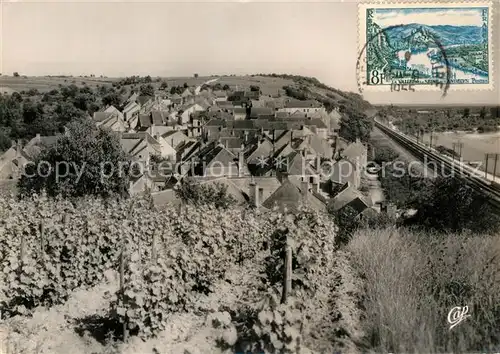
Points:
(177, 39)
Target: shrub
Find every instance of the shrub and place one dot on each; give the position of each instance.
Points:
(88, 161)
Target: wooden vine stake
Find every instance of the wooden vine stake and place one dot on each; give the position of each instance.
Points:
(153, 248)
(21, 254)
(287, 276)
(122, 291)
(42, 241)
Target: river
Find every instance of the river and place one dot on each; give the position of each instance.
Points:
(475, 146)
(418, 60)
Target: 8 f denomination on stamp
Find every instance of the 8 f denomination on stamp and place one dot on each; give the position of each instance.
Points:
(407, 46)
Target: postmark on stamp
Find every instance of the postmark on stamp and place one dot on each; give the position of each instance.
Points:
(425, 46)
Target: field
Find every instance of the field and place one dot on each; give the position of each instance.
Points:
(9, 84)
(475, 146)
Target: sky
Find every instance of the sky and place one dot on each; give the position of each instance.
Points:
(430, 17)
(124, 38)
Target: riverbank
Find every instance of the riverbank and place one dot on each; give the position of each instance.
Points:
(475, 146)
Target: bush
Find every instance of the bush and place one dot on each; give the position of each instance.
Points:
(199, 194)
(85, 162)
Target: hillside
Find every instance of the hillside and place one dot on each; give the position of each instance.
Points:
(414, 33)
(272, 85)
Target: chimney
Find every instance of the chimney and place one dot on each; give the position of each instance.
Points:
(258, 142)
(241, 162)
(291, 136)
(226, 143)
(315, 185)
(318, 162)
(304, 187)
(254, 193)
(358, 141)
(18, 149)
(246, 136)
(261, 193)
(38, 137)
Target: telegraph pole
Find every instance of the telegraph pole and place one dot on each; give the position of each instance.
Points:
(459, 147)
(495, 157)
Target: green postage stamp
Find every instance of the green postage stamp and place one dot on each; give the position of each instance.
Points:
(425, 46)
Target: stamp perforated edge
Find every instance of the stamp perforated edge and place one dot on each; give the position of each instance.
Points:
(361, 63)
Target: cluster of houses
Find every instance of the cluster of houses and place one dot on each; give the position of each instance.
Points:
(267, 150)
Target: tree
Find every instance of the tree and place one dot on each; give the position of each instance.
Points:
(163, 85)
(197, 194)
(111, 99)
(186, 85)
(195, 76)
(148, 79)
(354, 125)
(466, 113)
(16, 74)
(482, 113)
(67, 112)
(5, 142)
(225, 87)
(450, 204)
(254, 88)
(87, 161)
(147, 90)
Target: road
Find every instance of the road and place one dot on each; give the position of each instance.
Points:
(198, 89)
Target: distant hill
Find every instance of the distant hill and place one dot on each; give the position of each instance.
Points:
(270, 84)
(402, 36)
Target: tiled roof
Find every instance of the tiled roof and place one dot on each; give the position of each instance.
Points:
(302, 104)
(101, 116)
(316, 122)
(231, 188)
(320, 146)
(342, 172)
(263, 150)
(255, 112)
(286, 195)
(225, 104)
(220, 94)
(145, 120)
(241, 125)
(233, 142)
(298, 166)
(215, 123)
(352, 197)
(144, 99)
(282, 114)
(354, 151)
(290, 196)
(268, 184)
(239, 110)
(158, 117)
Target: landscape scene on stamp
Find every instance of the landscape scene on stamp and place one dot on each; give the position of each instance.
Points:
(238, 212)
(417, 45)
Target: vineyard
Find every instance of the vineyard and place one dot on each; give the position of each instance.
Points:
(248, 280)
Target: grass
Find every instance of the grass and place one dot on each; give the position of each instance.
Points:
(11, 84)
(413, 280)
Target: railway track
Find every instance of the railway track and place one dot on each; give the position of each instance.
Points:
(449, 166)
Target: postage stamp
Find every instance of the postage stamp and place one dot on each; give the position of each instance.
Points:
(410, 46)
